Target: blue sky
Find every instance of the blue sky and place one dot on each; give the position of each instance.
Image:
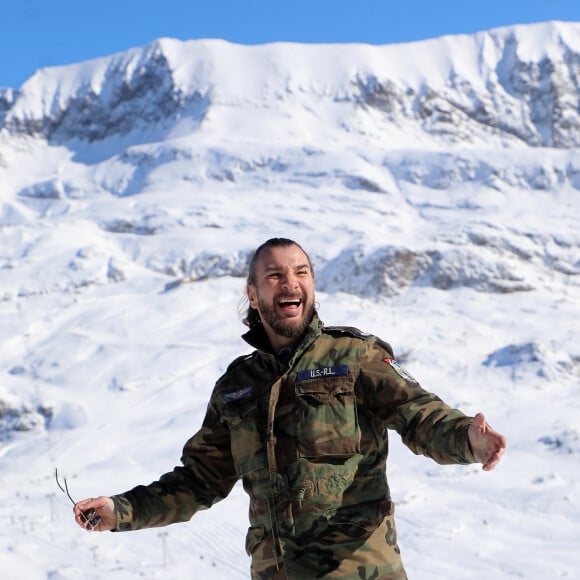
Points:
(39, 33)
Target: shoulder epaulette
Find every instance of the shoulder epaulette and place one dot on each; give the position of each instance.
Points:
(352, 331)
(240, 360)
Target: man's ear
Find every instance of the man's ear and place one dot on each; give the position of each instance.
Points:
(252, 296)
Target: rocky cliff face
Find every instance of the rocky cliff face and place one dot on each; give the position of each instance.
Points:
(519, 85)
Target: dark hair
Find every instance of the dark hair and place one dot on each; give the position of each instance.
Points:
(252, 318)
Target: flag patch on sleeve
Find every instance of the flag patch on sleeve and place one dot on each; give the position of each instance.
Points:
(400, 370)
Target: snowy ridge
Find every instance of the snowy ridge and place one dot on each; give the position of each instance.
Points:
(436, 187)
(504, 86)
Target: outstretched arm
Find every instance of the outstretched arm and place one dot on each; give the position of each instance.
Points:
(487, 445)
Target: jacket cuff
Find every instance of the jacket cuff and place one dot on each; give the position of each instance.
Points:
(124, 511)
(467, 451)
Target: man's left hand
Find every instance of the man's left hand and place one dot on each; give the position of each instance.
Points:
(487, 445)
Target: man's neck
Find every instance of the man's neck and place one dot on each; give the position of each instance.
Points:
(259, 337)
(278, 342)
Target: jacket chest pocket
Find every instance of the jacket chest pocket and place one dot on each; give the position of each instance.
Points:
(327, 422)
(241, 418)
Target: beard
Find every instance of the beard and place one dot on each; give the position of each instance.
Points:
(288, 327)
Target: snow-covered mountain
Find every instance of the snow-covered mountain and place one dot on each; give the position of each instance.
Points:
(507, 86)
(436, 186)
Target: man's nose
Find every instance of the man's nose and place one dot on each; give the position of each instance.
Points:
(290, 281)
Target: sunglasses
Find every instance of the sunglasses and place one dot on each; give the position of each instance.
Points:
(90, 517)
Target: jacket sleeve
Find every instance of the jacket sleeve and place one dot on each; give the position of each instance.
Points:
(206, 477)
(427, 425)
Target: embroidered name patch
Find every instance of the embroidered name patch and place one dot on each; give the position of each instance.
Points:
(239, 394)
(322, 372)
(399, 370)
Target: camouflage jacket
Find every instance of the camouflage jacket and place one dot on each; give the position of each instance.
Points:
(307, 434)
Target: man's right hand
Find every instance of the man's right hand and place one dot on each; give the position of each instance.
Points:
(103, 507)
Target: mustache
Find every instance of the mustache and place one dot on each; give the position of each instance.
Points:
(289, 294)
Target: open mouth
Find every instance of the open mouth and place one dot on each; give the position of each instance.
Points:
(290, 303)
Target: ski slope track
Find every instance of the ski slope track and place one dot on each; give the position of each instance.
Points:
(436, 186)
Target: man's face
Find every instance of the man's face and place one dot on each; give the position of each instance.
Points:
(283, 293)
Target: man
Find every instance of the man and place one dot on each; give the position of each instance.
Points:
(303, 422)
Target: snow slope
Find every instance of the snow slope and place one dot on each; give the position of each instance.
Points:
(435, 185)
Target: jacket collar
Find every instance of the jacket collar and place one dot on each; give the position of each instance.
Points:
(258, 338)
